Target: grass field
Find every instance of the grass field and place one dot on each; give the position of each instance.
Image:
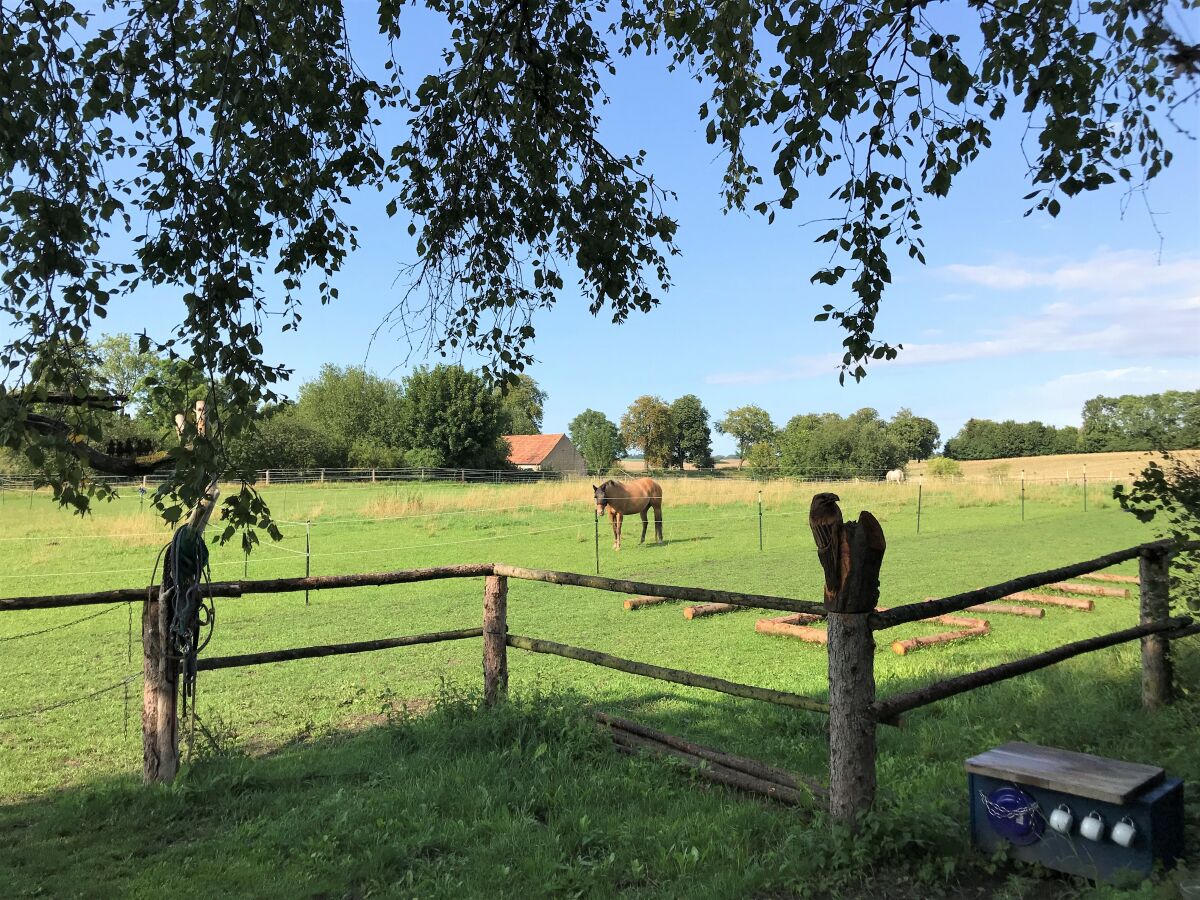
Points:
(376, 774)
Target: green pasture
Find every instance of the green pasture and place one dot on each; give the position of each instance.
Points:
(375, 774)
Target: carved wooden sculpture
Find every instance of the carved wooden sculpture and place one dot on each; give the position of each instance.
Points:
(851, 553)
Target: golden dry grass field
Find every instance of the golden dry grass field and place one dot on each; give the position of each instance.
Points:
(1066, 466)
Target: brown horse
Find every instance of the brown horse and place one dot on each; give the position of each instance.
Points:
(622, 499)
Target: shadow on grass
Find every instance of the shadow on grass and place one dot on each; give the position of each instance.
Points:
(529, 799)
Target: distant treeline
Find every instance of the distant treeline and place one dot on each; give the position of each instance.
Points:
(1166, 421)
(448, 416)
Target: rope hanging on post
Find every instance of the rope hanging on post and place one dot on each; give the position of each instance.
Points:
(188, 611)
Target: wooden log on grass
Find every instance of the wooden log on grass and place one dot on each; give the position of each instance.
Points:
(961, 621)
(795, 619)
(709, 770)
(1090, 590)
(677, 676)
(900, 648)
(639, 602)
(784, 629)
(708, 609)
(888, 709)
(1108, 576)
(729, 760)
(1003, 609)
(1047, 600)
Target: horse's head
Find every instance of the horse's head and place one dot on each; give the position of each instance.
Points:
(601, 498)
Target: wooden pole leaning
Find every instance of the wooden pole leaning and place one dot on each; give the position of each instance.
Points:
(495, 639)
(851, 553)
(1154, 575)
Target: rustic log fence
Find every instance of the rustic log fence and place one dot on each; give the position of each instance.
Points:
(856, 713)
(854, 710)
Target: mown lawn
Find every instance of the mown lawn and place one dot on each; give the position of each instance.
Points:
(374, 773)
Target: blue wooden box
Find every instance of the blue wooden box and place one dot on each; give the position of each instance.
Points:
(1016, 788)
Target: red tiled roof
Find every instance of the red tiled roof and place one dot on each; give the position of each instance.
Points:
(530, 449)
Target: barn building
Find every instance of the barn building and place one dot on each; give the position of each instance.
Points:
(545, 453)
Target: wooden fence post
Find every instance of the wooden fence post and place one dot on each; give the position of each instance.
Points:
(160, 722)
(1154, 585)
(851, 554)
(495, 635)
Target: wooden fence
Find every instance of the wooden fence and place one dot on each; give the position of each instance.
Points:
(849, 607)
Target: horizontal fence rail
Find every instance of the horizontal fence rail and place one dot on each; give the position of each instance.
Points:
(262, 586)
(673, 592)
(273, 656)
(888, 709)
(912, 612)
(406, 576)
(676, 676)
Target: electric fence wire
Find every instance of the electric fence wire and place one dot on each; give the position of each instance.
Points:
(39, 710)
(29, 634)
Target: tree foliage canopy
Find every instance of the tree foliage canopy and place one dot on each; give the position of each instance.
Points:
(649, 427)
(351, 405)
(220, 142)
(693, 439)
(827, 445)
(748, 425)
(523, 403)
(1166, 421)
(451, 415)
(597, 438)
(917, 436)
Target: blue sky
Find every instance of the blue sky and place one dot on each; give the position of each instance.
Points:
(1012, 317)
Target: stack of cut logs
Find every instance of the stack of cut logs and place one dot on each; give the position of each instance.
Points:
(800, 625)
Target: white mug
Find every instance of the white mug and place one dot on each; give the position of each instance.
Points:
(1124, 832)
(1092, 827)
(1061, 819)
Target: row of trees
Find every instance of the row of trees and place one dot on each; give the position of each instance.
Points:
(1166, 421)
(668, 435)
(449, 416)
(672, 435)
(441, 416)
(830, 445)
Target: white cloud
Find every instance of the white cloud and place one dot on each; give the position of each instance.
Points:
(1119, 305)
(1129, 380)
(1126, 328)
(1107, 271)
(1117, 330)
